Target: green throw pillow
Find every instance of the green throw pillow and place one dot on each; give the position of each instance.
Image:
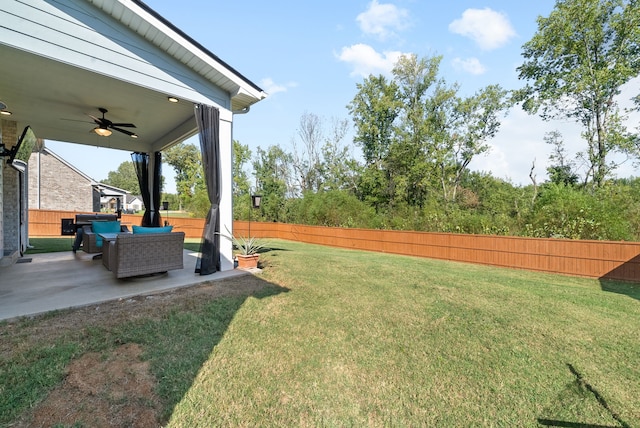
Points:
(104, 227)
(143, 229)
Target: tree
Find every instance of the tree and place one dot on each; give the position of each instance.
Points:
(410, 160)
(460, 128)
(241, 156)
(186, 162)
(418, 135)
(124, 177)
(374, 110)
(561, 170)
(340, 169)
(576, 63)
(241, 184)
(306, 162)
(272, 169)
(323, 163)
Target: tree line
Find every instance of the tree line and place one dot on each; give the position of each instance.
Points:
(416, 136)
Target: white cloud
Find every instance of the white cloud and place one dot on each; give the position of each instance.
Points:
(469, 65)
(272, 88)
(488, 28)
(365, 60)
(383, 20)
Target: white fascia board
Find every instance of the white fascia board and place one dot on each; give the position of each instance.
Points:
(144, 23)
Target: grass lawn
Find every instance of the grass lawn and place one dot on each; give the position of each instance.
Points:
(369, 339)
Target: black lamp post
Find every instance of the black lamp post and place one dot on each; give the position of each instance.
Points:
(256, 200)
(165, 206)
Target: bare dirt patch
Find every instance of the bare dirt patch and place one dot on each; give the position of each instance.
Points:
(114, 388)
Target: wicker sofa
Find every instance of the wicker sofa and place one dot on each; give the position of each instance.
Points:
(90, 241)
(132, 254)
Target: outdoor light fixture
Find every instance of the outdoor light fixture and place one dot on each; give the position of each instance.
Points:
(3, 109)
(165, 206)
(103, 132)
(255, 203)
(134, 135)
(173, 99)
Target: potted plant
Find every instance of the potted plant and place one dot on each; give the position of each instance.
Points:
(248, 250)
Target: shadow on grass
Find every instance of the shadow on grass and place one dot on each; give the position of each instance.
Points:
(579, 391)
(180, 343)
(630, 289)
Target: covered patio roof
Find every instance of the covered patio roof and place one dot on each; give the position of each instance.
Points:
(114, 54)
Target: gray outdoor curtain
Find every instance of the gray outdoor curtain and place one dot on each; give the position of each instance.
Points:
(151, 200)
(208, 119)
(141, 163)
(157, 184)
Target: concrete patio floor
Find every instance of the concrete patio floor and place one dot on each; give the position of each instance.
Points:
(65, 280)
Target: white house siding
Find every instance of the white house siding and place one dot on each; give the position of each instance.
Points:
(81, 35)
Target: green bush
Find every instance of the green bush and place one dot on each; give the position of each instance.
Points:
(334, 208)
(563, 211)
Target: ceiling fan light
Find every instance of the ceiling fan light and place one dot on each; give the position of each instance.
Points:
(103, 132)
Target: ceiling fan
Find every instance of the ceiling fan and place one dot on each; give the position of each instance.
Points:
(105, 125)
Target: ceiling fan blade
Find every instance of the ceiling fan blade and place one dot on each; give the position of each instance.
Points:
(126, 125)
(75, 120)
(124, 131)
(98, 121)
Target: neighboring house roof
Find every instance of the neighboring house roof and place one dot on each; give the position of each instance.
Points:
(108, 190)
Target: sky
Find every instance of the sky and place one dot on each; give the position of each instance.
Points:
(310, 56)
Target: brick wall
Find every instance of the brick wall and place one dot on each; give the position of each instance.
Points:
(1, 200)
(54, 186)
(10, 228)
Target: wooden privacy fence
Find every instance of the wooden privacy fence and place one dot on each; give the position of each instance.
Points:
(595, 259)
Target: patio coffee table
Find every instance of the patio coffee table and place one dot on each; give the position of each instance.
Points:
(107, 237)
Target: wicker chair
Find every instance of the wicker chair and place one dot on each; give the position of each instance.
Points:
(89, 241)
(132, 254)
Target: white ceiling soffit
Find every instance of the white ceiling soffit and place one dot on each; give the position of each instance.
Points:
(141, 19)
